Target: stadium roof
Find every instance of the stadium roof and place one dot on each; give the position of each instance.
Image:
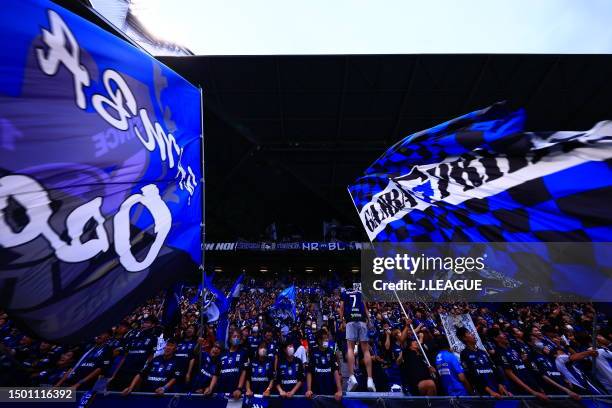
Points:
(285, 135)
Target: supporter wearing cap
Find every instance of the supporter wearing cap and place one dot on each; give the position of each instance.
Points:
(323, 370)
(260, 374)
(206, 378)
(160, 374)
(478, 367)
(290, 373)
(416, 371)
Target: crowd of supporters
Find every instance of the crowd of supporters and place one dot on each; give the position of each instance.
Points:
(334, 343)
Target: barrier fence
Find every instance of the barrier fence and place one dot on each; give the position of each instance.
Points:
(352, 400)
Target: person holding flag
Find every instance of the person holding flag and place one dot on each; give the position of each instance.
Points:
(216, 305)
(283, 310)
(354, 312)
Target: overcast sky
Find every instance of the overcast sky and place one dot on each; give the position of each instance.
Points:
(238, 27)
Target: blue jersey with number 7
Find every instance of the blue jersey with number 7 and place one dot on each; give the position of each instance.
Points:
(354, 310)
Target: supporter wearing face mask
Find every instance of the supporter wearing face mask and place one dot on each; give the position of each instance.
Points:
(290, 373)
(232, 366)
(309, 331)
(323, 371)
(260, 374)
(253, 341)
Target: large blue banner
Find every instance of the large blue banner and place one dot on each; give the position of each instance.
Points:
(483, 178)
(100, 169)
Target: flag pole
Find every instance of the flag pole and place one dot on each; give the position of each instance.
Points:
(395, 293)
(412, 328)
(203, 221)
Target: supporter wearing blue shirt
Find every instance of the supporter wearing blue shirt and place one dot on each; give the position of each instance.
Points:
(231, 370)
(393, 351)
(92, 365)
(253, 341)
(323, 371)
(260, 375)
(450, 371)
(160, 374)
(354, 313)
(52, 375)
(551, 380)
(272, 346)
(309, 331)
(185, 356)
(117, 343)
(139, 348)
(206, 378)
(290, 373)
(515, 369)
(478, 367)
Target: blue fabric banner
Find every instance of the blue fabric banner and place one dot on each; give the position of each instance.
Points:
(483, 178)
(100, 168)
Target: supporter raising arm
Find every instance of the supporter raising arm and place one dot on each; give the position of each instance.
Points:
(552, 380)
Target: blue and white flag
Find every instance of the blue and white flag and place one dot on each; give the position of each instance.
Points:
(236, 287)
(171, 316)
(284, 307)
(100, 168)
(216, 305)
(483, 178)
